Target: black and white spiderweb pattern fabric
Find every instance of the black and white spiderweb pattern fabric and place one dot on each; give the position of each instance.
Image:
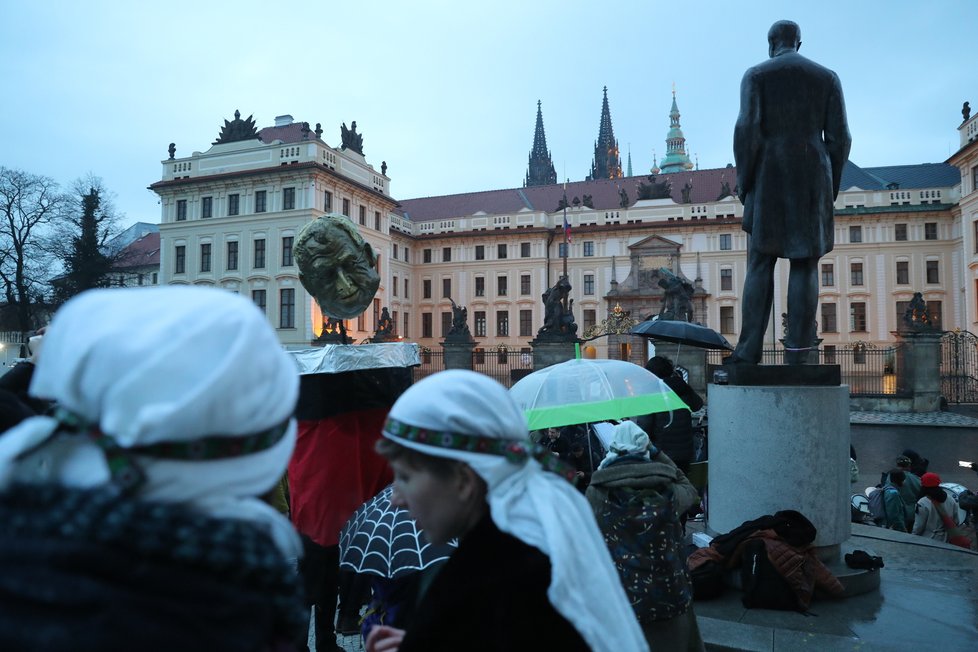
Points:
(380, 539)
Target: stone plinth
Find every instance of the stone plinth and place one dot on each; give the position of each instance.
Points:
(458, 353)
(548, 352)
(780, 447)
(920, 367)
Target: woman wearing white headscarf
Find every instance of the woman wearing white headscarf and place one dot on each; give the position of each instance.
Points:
(637, 494)
(531, 571)
(130, 517)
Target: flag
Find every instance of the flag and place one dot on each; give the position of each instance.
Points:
(567, 233)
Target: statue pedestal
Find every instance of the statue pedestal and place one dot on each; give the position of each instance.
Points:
(780, 447)
(458, 353)
(919, 362)
(550, 352)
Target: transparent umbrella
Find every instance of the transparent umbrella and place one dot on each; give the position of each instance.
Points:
(588, 391)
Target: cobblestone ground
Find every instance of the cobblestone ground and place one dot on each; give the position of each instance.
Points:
(349, 643)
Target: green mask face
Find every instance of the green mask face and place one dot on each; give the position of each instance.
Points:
(337, 266)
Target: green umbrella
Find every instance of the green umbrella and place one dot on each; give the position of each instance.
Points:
(588, 391)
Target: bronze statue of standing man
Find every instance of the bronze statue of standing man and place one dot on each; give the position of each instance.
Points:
(790, 143)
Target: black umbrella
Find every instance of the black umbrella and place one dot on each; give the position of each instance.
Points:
(384, 540)
(682, 332)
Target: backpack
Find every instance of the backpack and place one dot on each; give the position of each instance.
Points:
(644, 536)
(876, 506)
(763, 585)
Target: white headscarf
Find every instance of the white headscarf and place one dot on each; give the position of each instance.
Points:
(626, 438)
(153, 365)
(539, 508)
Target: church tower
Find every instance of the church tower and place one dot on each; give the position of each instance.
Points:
(606, 164)
(676, 159)
(540, 170)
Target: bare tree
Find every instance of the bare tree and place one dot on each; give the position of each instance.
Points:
(28, 205)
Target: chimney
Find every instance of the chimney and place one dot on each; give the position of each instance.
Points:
(283, 120)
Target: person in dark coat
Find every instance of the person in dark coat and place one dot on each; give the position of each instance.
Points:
(672, 432)
(790, 144)
(532, 571)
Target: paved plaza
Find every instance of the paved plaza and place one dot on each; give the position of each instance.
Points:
(928, 597)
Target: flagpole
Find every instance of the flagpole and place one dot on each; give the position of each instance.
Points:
(564, 227)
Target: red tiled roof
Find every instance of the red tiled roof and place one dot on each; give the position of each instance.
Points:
(290, 133)
(604, 195)
(142, 252)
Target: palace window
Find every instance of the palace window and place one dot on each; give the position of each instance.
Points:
(232, 261)
(261, 199)
(502, 323)
(857, 317)
(726, 319)
(206, 207)
(180, 259)
(286, 314)
(903, 272)
(830, 322)
(234, 202)
(205, 257)
(828, 275)
(259, 253)
(258, 296)
(287, 251)
(726, 279)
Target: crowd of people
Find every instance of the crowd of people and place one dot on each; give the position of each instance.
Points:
(142, 488)
(143, 479)
(910, 499)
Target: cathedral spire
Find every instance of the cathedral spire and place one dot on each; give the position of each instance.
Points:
(606, 163)
(540, 170)
(629, 160)
(676, 159)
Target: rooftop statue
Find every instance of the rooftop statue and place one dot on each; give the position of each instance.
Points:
(237, 129)
(789, 166)
(654, 189)
(336, 266)
(351, 139)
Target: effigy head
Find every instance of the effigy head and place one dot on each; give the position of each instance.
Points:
(336, 266)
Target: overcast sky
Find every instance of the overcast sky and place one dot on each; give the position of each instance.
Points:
(446, 92)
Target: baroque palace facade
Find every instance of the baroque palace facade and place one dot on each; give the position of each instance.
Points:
(230, 216)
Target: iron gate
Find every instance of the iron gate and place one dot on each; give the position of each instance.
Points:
(959, 367)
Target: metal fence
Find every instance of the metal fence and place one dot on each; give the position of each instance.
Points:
(867, 372)
(506, 367)
(959, 367)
